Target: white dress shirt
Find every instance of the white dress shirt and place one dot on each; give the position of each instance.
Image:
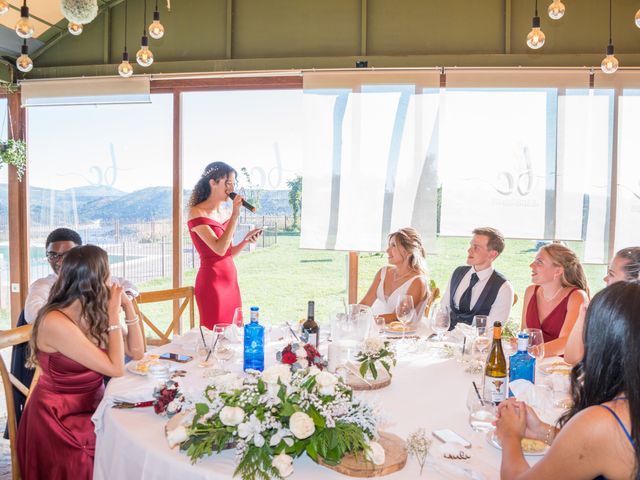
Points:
(39, 294)
(501, 307)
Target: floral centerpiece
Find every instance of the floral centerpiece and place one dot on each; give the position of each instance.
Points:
(375, 351)
(301, 355)
(278, 415)
(169, 399)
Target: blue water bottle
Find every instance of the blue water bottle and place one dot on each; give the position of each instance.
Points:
(254, 343)
(522, 366)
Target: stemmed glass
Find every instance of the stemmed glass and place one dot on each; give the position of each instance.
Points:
(222, 350)
(536, 343)
(404, 312)
(441, 321)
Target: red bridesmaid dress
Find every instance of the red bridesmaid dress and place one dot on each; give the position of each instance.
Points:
(217, 291)
(56, 439)
(552, 324)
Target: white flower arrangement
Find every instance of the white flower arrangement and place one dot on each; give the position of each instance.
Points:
(375, 351)
(418, 445)
(79, 11)
(278, 415)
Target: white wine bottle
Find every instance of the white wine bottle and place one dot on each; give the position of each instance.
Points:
(495, 370)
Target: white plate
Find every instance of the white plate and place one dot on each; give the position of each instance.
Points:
(409, 331)
(132, 366)
(493, 440)
(555, 367)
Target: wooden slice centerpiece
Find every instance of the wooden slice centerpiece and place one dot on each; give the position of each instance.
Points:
(356, 382)
(395, 451)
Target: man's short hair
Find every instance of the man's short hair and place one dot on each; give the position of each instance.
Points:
(63, 235)
(496, 239)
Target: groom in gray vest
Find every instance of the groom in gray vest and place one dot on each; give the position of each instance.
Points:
(476, 288)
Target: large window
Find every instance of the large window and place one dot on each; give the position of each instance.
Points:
(4, 226)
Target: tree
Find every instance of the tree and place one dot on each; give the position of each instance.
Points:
(295, 199)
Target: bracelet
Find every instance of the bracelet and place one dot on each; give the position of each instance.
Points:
(550, 435)
(132, 321)
(112, 328)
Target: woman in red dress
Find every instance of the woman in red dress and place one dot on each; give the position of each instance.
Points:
(217, 291)
(77, 339)
(553, 302)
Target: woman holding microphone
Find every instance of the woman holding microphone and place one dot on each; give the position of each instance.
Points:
(216, 289)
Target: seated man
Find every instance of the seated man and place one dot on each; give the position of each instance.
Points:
(477, 289)
(58, 243)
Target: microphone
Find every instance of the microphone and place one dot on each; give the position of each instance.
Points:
(245, 204)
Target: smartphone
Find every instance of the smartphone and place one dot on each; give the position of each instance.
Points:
(257, 234)
(446, 435)
(176, 357)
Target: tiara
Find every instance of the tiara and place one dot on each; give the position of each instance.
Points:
(209, 172)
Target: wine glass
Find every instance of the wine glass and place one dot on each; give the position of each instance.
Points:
(441, 321)
(536, 343)
(222, 349)
(238, 318)
(404, 312)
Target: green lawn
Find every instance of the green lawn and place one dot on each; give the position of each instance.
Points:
(281, 279)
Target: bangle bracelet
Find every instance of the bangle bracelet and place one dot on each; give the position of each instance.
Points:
(132, 321)
(550, 435)
(113, 328)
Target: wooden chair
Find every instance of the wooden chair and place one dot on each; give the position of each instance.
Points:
(435, 294)
(515, 299)
(184, 298)
(9, 338)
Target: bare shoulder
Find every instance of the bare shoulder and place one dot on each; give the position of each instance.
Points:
(578, 297)
(528, 293)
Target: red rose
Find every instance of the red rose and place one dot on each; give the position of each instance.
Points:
(289, 358)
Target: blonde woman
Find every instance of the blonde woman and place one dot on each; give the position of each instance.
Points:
(406, 274)
(553, 302)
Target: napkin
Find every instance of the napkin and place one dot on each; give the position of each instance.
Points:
(539, 397)
(126, 389)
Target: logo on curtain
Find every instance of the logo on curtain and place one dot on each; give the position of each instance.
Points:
(509, 181)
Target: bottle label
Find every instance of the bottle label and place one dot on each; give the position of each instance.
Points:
(495, 389)
(313, 339)
(523, 344)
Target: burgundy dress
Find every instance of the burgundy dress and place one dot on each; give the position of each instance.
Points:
(56, 439)
(552, 323)
(217, 291)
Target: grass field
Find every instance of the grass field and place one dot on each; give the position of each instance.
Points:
(281, 279)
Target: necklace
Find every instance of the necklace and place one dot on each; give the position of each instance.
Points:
(396, 277)
(553, 296)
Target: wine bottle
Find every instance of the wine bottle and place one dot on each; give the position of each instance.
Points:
(522, 366)
(254, 343)
(310, 327)
(495, 370)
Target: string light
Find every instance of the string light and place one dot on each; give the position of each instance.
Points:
(536, 38)
(24, 29)
(24, 62)
(125, 69)
(610, 62)
(156, 30)
(556, 10)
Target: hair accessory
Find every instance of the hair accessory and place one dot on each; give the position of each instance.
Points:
(209, 172)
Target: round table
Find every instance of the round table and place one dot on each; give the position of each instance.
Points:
(426, 392)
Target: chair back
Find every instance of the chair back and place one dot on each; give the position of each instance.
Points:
(181, 297)
(515, 299)
(9, 338)
(435, 294)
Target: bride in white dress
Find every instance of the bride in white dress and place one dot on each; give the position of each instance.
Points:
(406, 274)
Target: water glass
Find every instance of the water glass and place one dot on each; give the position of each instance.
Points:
(441, 321)
(481, 417)
(238, 318)
(380, 324)
(536, 343)
(404, 313)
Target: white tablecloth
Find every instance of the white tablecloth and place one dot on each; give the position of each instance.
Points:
(426, 392)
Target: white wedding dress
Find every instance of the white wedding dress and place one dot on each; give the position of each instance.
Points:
(384, 304)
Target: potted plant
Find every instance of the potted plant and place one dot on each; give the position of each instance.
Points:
(14, 152)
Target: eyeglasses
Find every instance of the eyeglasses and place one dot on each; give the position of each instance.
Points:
(54, 257)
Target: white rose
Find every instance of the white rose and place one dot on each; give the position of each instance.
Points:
(375, 453)
(373, 345)
(284, 464)
(301, 425)
(278, 371)
(304, 363)
(313, 370)
(326, 383)
(231, 416)
(177, 435)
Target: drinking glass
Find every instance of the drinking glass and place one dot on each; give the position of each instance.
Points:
(202, 352)
(404, 312)
(222, 350)
(441, 321)
(482, 416)
(380, 324)
(238, 318)
(536, 343)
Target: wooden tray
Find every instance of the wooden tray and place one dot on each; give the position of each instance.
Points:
(356, 382)
(395, 459)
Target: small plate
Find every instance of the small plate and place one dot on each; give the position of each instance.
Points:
(493, 440)
(556, 367)
(396, 328)
(141, 367)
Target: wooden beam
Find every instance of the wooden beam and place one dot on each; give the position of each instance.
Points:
(235, 83)
(352, 285)
(106, 36)
(229, 31)
(507, 27)
(363, 27)
(177, 201)
(18, 216)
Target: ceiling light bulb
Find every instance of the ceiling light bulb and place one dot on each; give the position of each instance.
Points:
(144, 57)
(23, 62)
(535, 39)
(156, 30)
(610, 63)
(75, 28)
(4, 7)
(125, 69)
(556, 10)
(24, 29)
(638, 19)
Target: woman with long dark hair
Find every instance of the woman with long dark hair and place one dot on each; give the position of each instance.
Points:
(216, 289)
(77, 339)
(599, 436)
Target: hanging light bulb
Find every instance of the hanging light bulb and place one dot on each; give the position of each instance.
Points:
(75, 28)
(144, 57)
(23, 62)
(125, 69)
(638, 19)
(156, 30)
(535, 39)
(556, 10)
(4, 7)
(24, 29)
(610, 62)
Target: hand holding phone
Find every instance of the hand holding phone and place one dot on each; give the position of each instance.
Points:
(445, 435)
(252, 237)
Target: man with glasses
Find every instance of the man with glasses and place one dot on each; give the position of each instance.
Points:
(58, 243)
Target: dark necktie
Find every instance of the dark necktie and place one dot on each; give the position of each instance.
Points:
(465, 300)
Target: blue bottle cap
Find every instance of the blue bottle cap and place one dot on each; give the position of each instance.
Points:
(255, 309)
(523, 335)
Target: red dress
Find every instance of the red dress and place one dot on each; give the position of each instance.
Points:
(217, 291)
(56, 439)
(552, 323)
